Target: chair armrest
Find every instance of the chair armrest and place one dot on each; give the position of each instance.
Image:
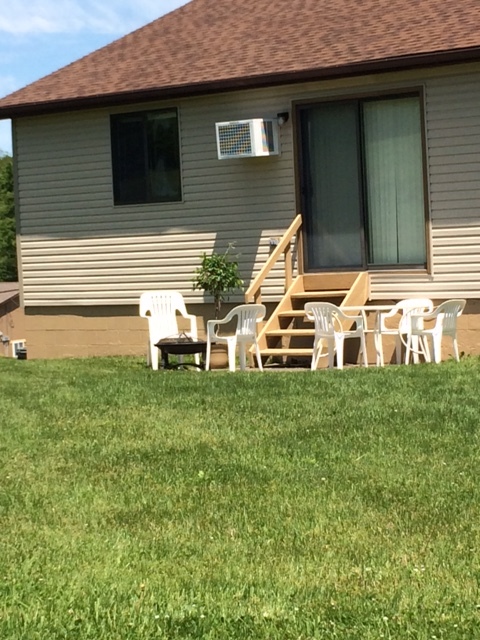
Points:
(212, 325)
(358, 320)
(382, 316)
(225, 320)
(389, 314)
(346, 316)
(228, 318)
(417, 321)
(427, 315)
(193, 324)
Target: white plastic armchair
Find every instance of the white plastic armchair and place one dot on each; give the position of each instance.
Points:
(329, 319)
(445, 318)
(247, 317)
(405, 308)
(161, 308)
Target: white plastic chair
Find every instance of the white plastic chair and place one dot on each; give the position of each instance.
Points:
(328, 319)
(406, 308)
(247, 317)
(160, 308)
(445, 317)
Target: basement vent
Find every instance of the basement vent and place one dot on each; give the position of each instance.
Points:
(247, 138)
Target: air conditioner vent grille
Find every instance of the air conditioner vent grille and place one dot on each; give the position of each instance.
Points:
(235, 139)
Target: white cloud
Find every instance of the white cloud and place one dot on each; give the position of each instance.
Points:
(55, 16)
(39, 36)
(72, 16)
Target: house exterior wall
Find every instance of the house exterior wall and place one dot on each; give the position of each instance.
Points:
(453, 146)
(12, 324)
(106, 330)
(78, 250)
(100, 330)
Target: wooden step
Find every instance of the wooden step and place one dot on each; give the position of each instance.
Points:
(287, 352)
(290, 332)
(294, 313)
(334, 280)
(315, 295)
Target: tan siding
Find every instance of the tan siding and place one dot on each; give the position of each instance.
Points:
(77, 248)
(120, 251)
(453, 140)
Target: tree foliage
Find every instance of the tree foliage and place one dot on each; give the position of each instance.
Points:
(8, 252)
(218, 275)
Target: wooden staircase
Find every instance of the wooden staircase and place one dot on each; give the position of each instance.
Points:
(288, 335)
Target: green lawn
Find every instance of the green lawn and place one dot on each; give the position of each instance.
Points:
(294, 505)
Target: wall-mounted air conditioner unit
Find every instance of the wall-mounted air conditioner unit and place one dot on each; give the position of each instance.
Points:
(247, 138)
(19, 348)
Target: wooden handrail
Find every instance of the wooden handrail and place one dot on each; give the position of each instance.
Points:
(253, 293)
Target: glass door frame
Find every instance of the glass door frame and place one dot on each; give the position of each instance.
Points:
(302, 105)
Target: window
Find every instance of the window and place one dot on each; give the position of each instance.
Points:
(146, 157)
(363, 182)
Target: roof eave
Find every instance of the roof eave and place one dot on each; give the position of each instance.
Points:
(248, 82)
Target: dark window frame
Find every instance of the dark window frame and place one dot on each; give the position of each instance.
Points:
(144, 170)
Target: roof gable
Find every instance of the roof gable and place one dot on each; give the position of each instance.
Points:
(8, 290)
(214, 44)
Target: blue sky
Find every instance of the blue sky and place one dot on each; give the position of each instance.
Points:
(38, 37)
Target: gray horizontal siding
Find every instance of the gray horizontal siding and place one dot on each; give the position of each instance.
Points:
(77, 248)
(453, 143)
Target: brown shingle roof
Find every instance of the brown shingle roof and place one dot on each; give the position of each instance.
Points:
(8, 290)
(209, 45)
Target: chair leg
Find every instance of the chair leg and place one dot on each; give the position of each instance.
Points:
(455, 349)
(398, 350)
(331, 353)
(415, 349)
(339, 341)
(425, 349)
(437, 347)
(363, 344)
(242, 356)
(259, 357)
(207, 355)
(231, 347)
(317, 350)
(154, 357)
(378, 342)
(408, 348)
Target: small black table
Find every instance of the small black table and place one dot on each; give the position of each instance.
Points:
(181, 348)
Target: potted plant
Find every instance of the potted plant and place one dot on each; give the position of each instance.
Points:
(218, 276)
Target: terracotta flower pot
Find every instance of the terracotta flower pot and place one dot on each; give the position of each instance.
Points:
(218, 356)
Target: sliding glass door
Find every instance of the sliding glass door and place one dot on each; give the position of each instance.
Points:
(362, 183)
(332, 186)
